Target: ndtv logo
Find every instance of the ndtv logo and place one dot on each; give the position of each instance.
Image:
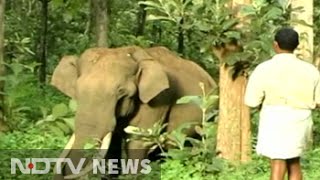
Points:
(128, 166)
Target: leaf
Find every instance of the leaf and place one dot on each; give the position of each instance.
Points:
(56, 130)
(217, 165)
(190, 99)
(69, 122)
(233, 34)
(44, 111)
(248, 10)
(150, 4)
(203, 26)
(212, 101)
(65, 128)
(57, 3)
(73, 105)
(16, 68)
(67, 17)
(29, 51)
(210, 114)
(199, 130)
(59, 110)
(229, 24)
(273, 13)
(90, 145)
(152, 17)
(25, 40)
(177, 154)
(32, 66)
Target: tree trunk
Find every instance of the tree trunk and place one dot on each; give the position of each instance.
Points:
(234, 133)
(234, 129)
(100, 22)
(43, 42)
(141, 20)
(180, 37)
(305, 49)
(156, 33)
(3, 126)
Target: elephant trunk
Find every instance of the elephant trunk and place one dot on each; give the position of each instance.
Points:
(102, 152)
(97, 124)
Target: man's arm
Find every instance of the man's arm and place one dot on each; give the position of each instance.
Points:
(254, 92)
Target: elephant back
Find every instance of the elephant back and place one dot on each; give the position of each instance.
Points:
(182, 68)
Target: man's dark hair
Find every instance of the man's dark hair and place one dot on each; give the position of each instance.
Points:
(287, 39)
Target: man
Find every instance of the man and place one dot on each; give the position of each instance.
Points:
(288, 89)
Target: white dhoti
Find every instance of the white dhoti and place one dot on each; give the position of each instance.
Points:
(284, 132)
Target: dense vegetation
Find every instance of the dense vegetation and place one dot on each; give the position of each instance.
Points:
(37, 116)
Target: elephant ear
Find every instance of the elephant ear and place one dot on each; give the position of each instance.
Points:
(65, 76)
(152, 77)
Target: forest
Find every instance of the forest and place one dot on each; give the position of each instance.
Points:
(226, 38)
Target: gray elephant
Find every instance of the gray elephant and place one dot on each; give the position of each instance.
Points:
(127, 86)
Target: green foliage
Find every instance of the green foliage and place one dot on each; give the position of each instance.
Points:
(151, 137)
(31, 142)
(32, 138)
(316, 127)
(21, 95)
(264, 18)
(61, 119)
(17, 81)
(213, 24)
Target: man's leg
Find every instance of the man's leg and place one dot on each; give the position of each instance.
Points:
(294, 169)
(278, 169)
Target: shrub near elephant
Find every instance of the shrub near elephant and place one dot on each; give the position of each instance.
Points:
(127, 86)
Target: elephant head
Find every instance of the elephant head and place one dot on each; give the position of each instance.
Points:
(107, 84)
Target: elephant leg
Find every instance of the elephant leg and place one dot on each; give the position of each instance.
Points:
(145, 118)
(184, 113)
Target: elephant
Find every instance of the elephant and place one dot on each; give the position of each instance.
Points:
(116, 87)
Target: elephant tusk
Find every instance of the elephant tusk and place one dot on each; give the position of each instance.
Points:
(65, 151)
(103, 151)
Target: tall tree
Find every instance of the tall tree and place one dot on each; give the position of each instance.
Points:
(234, 134)
(43, 41)
(305, 49)
(316, 20)
(180, 38)
(141, 20)
(99, 14)
(2, 67)
(181, 32)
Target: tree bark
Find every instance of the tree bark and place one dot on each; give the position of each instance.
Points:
(3, 126)
(141, 20)
(305, 48)
(234, 134)
(100, 22)
(234, 128)
(180, 37)
(43, 42)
